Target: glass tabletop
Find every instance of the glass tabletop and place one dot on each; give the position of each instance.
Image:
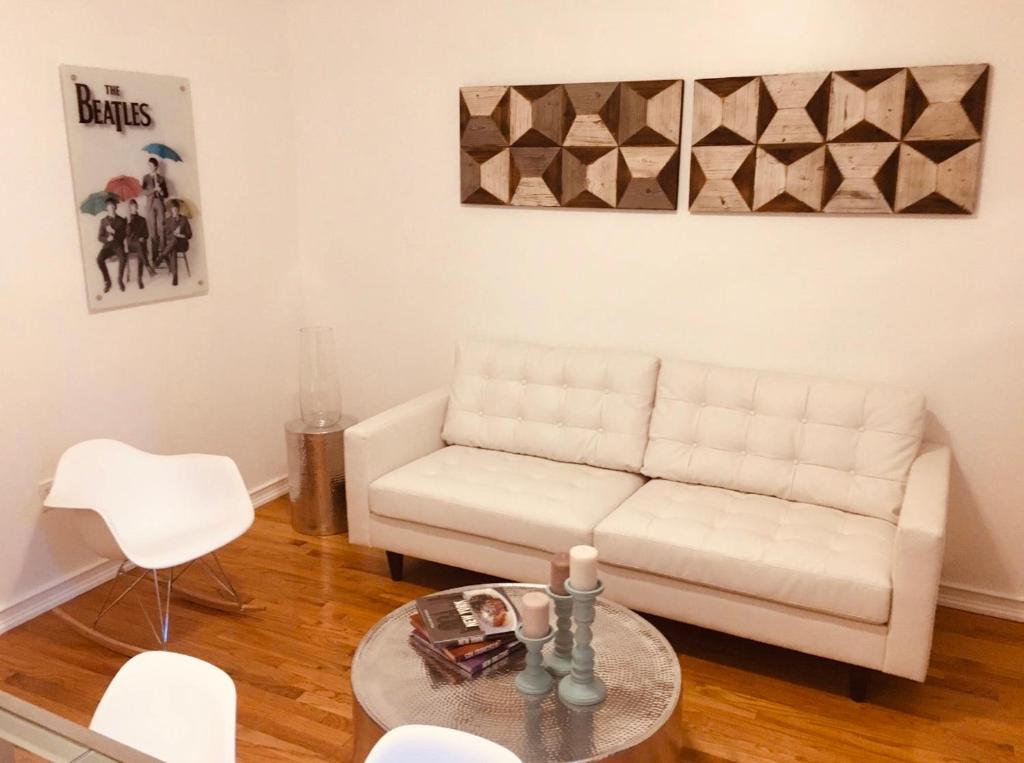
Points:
(395, 684)
(29, 734)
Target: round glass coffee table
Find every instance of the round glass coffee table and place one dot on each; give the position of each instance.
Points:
(393, 684)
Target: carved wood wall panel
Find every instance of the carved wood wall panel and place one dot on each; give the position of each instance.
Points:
(870, 141)
(599, 144)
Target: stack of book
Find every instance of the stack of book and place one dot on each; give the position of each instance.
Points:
(468, 630)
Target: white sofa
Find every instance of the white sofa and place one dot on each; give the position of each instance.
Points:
(797, 511)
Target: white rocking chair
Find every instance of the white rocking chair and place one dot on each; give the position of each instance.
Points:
(157, 515)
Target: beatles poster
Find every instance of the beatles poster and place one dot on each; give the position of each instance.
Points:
(136, 183)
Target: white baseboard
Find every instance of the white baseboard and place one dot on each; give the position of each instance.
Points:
(268, 491)
(982, 603)
(75, 584)
(93, 575)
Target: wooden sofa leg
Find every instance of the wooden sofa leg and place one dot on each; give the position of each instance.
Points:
(395, 564)
(859, 683)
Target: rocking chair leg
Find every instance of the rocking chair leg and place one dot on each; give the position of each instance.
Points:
(395, 564)
(91, 633)
(160, 628)
(859, 683)
(229, 601)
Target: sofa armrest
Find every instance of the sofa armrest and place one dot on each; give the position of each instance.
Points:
(383, 443)
(917, 563)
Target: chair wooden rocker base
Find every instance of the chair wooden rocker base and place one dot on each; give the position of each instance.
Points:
(163, 583)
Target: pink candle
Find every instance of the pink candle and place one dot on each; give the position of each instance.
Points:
(559, 573)
(536, 614)
(583, 568)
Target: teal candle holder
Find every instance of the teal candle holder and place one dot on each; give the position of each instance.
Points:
(581, 686)
(559, 661)
(533, 679)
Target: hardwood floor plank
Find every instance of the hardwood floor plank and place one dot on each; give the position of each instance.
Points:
(742, 701)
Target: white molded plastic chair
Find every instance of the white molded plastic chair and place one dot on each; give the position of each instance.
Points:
(156, 513)
(171, 706)
(434, 744)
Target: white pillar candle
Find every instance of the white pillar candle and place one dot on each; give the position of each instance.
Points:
(536, 608)
(583, 568)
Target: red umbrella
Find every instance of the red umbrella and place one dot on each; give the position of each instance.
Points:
(124, 186)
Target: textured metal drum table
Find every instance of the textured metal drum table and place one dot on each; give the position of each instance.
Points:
(316, 477)
(393, 684)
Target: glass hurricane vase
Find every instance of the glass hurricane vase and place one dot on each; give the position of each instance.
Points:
(319, 394)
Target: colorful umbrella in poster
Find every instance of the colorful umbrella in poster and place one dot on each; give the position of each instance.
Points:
(187, 207)
(97, 202)
(124, 187)
(164, 152)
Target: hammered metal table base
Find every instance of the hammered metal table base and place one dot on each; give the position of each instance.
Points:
(665, 746)
(639, 722)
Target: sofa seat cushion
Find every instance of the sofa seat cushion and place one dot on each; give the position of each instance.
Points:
(524, 500)
(796, 554)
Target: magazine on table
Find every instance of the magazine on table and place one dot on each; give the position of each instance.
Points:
(467, 617)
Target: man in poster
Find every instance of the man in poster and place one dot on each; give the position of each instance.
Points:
(178, 231)
(154, 186)
(138, 239)
(112, 232)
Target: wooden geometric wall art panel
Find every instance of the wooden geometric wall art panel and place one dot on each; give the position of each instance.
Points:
(589, 177)
(485, 175)
(883, 141)
(650, 113)
(861, 177)
(867, 105)
(600, 144)
(722, 178)
(536, 176)
(789, 178)
(726, 111)
(483, 117)
(938, 176)
(795, 108)
(537, 115)
(648, 177)
(593, 115)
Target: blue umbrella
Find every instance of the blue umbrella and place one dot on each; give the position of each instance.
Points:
(97, 202)
(164, 152)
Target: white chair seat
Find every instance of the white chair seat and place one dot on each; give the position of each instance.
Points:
(433, 744)
(524, 500)
(161, 511)
(796, 554)
(171, 706)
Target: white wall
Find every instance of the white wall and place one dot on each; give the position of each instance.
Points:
(361, 179)
(206, 374)
(402, 270)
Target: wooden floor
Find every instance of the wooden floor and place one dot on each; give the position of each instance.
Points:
(742, 701)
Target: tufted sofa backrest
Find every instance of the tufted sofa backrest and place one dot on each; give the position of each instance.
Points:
(582, 406)
(831, 443)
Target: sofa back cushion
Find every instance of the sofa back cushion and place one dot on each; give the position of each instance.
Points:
(581, 406)
(841, 444)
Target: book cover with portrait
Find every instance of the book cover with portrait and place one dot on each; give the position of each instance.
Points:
(136, 186)
(466, 617)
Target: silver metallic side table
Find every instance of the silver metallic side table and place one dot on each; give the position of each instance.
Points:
(316, 477)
